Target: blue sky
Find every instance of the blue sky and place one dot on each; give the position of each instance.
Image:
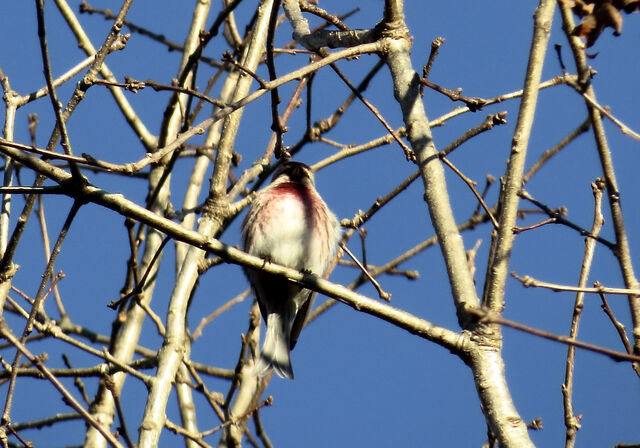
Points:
(359, 381)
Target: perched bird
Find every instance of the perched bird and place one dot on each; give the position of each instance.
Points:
(288, 224)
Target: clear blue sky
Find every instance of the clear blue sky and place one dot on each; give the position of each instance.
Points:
(360, 381)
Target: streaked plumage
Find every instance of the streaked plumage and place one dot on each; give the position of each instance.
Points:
(288, 224)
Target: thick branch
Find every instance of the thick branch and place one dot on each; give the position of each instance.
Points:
(623, 252)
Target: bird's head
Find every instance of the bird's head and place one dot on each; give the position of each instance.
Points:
(294, 172)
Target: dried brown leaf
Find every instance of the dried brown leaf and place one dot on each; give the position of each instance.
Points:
(600, 14)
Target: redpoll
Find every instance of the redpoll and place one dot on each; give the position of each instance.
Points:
(288, 224)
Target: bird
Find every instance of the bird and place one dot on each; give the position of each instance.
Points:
(288, 223)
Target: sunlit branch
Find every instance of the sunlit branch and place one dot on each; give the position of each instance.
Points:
(529, 282)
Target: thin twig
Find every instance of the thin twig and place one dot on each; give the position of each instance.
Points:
(604, 111)
(622, 250)
(57, 108)
(6, 333)
(207, 320)
(471, 185)
(37, 304)
(440, 121)
(161, 38)
(618, 326)
(571, 421)
(408, 152)
(558, 217)
(408, 274)
(489, 180)
(488, 124)
(232, 421)
(134, 86)
(141, 284)
(228, 58)
(47, 250)
(260, 431)
(39, 424)
(58, 81)
(276, 125)
(544, 158)
(435, 48)
(183, 432)
(115, 393)
(520, 229)
(77, 381)
(383, 294)
(474, 104)
(330, 18)
(529, 282)
(487, 316)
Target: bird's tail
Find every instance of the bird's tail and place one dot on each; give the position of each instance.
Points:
(275, 350)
